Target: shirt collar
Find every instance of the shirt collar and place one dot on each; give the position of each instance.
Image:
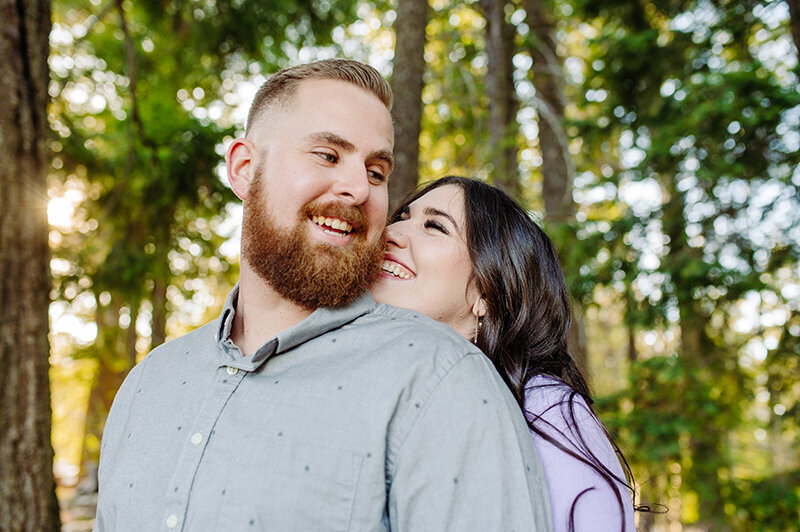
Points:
(318, 323)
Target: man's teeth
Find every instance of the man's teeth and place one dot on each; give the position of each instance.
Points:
(394, 269)
(333, 223)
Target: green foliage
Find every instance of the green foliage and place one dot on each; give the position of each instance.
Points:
(771, 503)
(649, 415)
(683, 129)
(143, 96)
(683, 126)
(452, 130)
(677, 99)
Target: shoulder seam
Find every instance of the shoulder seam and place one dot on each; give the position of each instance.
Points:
(413, 412)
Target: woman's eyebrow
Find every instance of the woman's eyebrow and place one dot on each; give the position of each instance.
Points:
(430, 211)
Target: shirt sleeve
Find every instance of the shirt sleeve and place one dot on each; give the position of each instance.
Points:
(467, 461)
(599, 506)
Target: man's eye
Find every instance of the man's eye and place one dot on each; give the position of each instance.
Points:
(376, 176)
(432, 224)
(329, 157)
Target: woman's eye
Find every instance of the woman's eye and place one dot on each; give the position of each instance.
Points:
(432, 224)
(400, 215)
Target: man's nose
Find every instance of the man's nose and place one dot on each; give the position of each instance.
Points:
(352, 185)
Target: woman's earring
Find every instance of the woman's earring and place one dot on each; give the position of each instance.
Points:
(478, 325)
(479, 309)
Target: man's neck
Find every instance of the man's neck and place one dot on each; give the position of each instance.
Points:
(261, 313)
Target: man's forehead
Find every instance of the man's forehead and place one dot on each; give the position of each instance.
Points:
(310, 103)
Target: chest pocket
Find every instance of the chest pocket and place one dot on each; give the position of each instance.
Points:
(290, 486)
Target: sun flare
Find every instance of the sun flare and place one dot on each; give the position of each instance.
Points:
(60, 212)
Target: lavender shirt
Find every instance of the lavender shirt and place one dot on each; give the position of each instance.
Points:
(598, 508)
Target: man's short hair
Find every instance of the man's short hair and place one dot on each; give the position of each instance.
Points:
(282, 85)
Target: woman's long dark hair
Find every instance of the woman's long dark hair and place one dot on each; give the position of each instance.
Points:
(524, 332)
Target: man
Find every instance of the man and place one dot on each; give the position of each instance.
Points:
(307, 406)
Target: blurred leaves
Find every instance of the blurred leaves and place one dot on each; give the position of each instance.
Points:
(683, 124)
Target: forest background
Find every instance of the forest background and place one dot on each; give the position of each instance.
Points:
(658, 142)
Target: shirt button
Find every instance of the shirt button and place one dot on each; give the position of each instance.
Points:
(172, 521)
(196, 438)
(232, 371)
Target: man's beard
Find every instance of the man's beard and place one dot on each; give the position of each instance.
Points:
(311, 276)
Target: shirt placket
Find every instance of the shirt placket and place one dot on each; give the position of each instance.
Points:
(179, 489)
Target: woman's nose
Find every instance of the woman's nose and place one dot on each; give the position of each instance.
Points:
(395, 235)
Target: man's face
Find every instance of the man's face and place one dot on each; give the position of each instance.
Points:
(318, 201)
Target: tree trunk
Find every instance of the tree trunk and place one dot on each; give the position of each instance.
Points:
(112, 366)
(131, 336)
(794, 21)
(27, 487)
(409, 66)
(502, 98)
(633, 355)
(705, 447)
(548, 80)
(105, 386)
(630, 327)
(557, 167)
(709, 471)
(159, 321)
(576, 342)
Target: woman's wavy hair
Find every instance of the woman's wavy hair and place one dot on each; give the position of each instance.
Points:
(524, 332)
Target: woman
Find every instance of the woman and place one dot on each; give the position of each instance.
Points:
(466, 254)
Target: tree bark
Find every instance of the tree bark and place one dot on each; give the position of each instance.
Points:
(104, 388)
(27, 487)
(633, 355)
(502, 98)
(131, 335)
(407, 84)
(112, 367)
(548, 80)
(794, 21)
(159, 319)
(705, 362)
(557, 167)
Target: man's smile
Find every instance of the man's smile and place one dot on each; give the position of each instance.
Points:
(333, 226)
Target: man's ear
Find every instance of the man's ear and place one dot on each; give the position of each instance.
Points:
(240, 161)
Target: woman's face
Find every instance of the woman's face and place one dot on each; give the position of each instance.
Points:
(426, 265)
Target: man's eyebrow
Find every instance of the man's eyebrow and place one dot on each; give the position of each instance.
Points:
(430, 211)
(328, 137)
(332, 138)
(383, 155)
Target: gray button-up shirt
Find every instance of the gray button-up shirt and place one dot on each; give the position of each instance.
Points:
(361, 418)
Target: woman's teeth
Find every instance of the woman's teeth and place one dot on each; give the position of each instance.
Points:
(394, 269)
